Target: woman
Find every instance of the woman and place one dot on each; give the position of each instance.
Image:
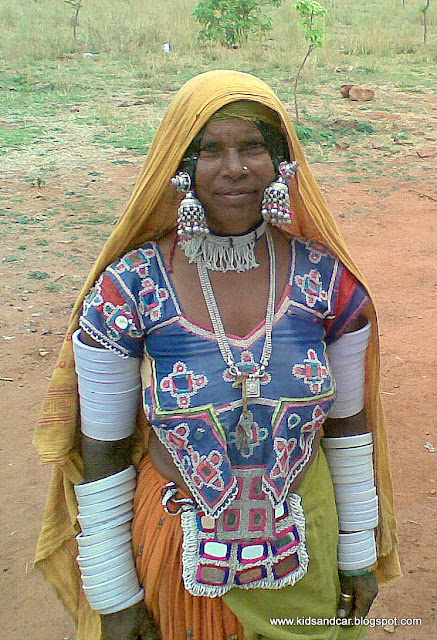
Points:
(235, 385)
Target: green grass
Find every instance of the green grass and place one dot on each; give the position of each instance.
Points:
(38, 275)
(128, 136)
(21, 136)
(329, 133)
(53, 287)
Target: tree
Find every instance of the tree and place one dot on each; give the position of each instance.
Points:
(311, 13)
(230, 22)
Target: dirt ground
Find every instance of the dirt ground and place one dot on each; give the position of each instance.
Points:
(390, 224)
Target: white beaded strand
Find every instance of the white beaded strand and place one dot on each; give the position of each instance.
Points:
(217, 322)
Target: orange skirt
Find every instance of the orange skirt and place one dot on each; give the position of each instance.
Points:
(157, 541)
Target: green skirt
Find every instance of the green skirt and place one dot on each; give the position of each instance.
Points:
(307, 609)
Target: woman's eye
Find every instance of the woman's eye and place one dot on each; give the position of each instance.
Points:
(214, 152)
(209, 152)
(254, 148)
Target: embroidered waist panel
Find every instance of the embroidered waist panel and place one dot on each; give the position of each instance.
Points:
(251, 545)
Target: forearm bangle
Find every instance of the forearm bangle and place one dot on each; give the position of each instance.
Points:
(351, 464)
(105, 558)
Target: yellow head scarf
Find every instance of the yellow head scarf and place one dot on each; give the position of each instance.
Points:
(151, 213)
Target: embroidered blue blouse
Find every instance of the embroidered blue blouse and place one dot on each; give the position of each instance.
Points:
(133, 309)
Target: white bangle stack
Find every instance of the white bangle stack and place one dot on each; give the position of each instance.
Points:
(347, 357)
(351, 464)
(109, 389)
(105, 557)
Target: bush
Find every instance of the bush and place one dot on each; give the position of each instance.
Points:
(230, 22)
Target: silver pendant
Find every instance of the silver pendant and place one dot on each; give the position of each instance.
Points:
(252, 387)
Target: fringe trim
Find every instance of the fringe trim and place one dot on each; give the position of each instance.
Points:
(233, 253)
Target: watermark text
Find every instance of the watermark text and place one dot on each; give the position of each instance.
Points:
(346, 622)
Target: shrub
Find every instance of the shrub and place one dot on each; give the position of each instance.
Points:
(230, 22)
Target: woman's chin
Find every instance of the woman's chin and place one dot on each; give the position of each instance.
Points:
(234, 219)
(233, 224)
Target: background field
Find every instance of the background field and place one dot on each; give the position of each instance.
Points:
(74, 131)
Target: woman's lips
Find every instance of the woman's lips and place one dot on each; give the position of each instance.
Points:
(236, 195)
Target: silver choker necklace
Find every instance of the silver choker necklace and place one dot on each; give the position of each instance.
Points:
(224, 253)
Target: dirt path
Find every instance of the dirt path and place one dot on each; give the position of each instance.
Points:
(395, 247)
(392, 232)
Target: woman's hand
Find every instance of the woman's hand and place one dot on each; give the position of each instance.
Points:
(363, 590)
(134, 623)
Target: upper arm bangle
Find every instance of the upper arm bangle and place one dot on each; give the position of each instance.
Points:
(346, 357)
(109, 389)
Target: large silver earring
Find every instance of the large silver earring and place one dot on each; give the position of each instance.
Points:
(191, 214)
(275, 207)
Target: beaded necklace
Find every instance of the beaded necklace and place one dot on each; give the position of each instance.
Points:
(248, 378)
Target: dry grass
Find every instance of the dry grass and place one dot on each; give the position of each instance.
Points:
(61, 109)
(134, 29)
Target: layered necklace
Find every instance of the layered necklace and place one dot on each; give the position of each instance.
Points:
(249, 377)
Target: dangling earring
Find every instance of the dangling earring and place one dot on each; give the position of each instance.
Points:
(275, 206)
(191, 214)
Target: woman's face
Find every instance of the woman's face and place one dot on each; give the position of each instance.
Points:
(233, 169)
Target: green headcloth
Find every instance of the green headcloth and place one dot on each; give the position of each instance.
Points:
(247, 110)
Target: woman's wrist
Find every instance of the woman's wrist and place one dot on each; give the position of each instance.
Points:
(357, 572)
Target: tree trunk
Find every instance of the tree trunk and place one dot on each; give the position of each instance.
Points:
(296, 80)
(76, 18)
(425, 21)
(77, 6)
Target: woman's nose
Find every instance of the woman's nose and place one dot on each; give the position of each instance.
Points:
(233, 164)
